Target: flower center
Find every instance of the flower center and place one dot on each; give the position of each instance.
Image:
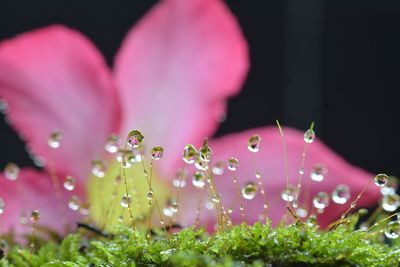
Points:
(120, 189)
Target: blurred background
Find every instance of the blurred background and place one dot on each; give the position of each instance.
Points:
(333, 62)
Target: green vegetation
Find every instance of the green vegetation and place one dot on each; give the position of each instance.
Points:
(242, 245)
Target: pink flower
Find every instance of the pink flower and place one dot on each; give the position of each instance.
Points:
(171, 79)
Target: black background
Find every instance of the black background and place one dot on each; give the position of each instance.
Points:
(335, 62)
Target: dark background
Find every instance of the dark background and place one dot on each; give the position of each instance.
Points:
(334, 62)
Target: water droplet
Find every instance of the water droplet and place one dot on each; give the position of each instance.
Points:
(168, 212)
(199, 179)
(233, 164)
(135, 139)
(98, 168)
(218, 168)
(2, 206)
(205, 153)
(11, 171)
(391, 186)
(301, 171)
(55, 138)
(201, 165)
(4, 245)
(309, 136)
(23, 219)
(312, 220)
(157, 152)
(35, 216)
(189, 154)
(216, 198)
(295, 204)
(318, 173)
(209, 204)
(258, 175)
(69, 183)
(126, 200)
(150, 195)
(321, 200)
(391, 202)
(111, 145)
(249, 190)
(74, 203)
(381, 179)
(341, 194)
(302, 213)
(392, 230)
(3, 106)
(288, 193)
(178, 183)
(364, 226)
(254, 143)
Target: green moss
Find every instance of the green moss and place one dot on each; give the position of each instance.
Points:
(243, 245)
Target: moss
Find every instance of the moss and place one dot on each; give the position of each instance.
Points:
(242, 245)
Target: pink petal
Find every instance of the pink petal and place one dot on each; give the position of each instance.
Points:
(175, 70)
(55, 79)
(271, 165)
(35, 190)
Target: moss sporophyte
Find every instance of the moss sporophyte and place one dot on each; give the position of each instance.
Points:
(116, 228)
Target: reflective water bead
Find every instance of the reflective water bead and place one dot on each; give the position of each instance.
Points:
(189, 154)
(199, 179)
(391, 202)
(318, 173)
(11, 171)
(341, 194)
(381, 179)
(98, 168)
(178, 183)
(35, 216)
(55, 138)
(216, 198)
(2, 205)
(218, 168)
(69, 183)
(134, 139)
(157, 152)
(302, 213)
(167, 211)
(205, 153)
(391, 186)
(288, 193)
(209, 204)
(150, 195)
(321, 200)
(301, 171)
(249, 190)
(3, 106)
(392, 230)
(4, 245)
(309, 136)
(126, 200)
(201, 165)
(233, 164)
(74, 203)
(254, 143)
(312, 220)
(111, 145)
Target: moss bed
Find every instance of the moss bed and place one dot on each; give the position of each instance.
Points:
(242, 245)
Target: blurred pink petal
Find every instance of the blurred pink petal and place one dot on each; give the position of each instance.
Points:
(54, 78)
(175, 70)
(271, 165)
(35, 190)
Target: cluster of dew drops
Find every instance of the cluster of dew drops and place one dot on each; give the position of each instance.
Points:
(130, 153)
